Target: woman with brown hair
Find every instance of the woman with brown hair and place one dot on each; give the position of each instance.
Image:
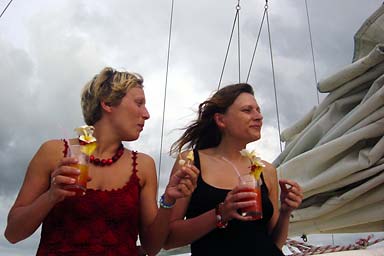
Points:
(210, 219)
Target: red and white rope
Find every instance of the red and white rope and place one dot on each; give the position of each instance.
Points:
(307, 249)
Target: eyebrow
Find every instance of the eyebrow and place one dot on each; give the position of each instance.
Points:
(250, 106)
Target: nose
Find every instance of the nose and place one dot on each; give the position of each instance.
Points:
(258, 116)
(145, 114)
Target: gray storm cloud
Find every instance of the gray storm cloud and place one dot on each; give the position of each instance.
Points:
(49, 50)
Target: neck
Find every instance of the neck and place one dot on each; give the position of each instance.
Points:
(230, 150)
(107, 142)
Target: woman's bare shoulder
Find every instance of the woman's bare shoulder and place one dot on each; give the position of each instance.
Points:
(270, 173)
(53, 144)
(145, 164)
(50, 151)
(144, 158)
(146, 169)
(51, 147)
(269, 167)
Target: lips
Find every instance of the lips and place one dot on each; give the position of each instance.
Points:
(256, 126)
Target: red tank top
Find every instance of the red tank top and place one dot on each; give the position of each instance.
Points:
(98, 223)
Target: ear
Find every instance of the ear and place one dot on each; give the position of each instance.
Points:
(219, 119)
(106, 106)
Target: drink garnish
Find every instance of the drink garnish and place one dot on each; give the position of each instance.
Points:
(256, 163)
(189, 158)
(86, 138)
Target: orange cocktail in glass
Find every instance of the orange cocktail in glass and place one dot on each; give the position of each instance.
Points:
(81, 180)
(80, 187)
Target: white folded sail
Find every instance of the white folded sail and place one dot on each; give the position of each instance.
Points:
(336, 151)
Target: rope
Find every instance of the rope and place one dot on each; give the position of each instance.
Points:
(165, 93)
(313, 55)
(257, 42)
(273, 76)
(229, 44)
(6, 7)
(307, 249)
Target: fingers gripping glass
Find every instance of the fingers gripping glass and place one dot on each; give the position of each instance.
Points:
(80, 186)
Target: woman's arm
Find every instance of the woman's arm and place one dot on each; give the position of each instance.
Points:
(185, 231)
(154, 226)
(37, 196)
(290, 199)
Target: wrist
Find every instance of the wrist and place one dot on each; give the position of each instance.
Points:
(168, 198)
(166, 202)
(285, 213)
(220, 222)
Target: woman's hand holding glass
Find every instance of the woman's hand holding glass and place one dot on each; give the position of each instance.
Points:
(235, 200)
(61, 177)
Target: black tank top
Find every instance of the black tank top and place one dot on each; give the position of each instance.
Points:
(240, 237)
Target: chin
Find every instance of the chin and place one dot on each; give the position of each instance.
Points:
(135, 138)
(132, 137)
(256, 137)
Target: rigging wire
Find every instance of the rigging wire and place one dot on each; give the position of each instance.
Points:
(165, 93)
(6, 7)
(273, 77)
(229, 44)
(257, 42)
(238, 38)
(237, 18)
(313, 55)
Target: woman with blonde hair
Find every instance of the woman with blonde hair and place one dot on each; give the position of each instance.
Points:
(119, 204)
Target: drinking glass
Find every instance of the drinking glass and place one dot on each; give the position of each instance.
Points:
(80, 186)
(252, 185)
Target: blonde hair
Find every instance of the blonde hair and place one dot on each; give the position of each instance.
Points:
(109, 86)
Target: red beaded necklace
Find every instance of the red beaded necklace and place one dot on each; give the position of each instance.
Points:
(106, 162)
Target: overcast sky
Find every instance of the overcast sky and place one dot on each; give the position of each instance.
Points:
(49, 49)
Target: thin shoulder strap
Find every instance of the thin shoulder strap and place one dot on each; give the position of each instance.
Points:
(65, 151)
(264, 184)
(196, 158)
(134, 161)
(196, 162)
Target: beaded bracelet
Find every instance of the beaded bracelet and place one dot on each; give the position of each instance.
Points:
(163, 204)
(219, 217)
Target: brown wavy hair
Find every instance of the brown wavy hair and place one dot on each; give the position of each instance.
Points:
(203, 132)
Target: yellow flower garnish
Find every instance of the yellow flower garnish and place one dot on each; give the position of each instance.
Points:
(189, 158)
(256, 164)
(85, 134)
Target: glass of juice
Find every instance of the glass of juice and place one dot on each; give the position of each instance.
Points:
(80, 187)
(252, 185)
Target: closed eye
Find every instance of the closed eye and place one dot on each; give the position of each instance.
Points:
(247, 110)
(140, 102)
(251, 109)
